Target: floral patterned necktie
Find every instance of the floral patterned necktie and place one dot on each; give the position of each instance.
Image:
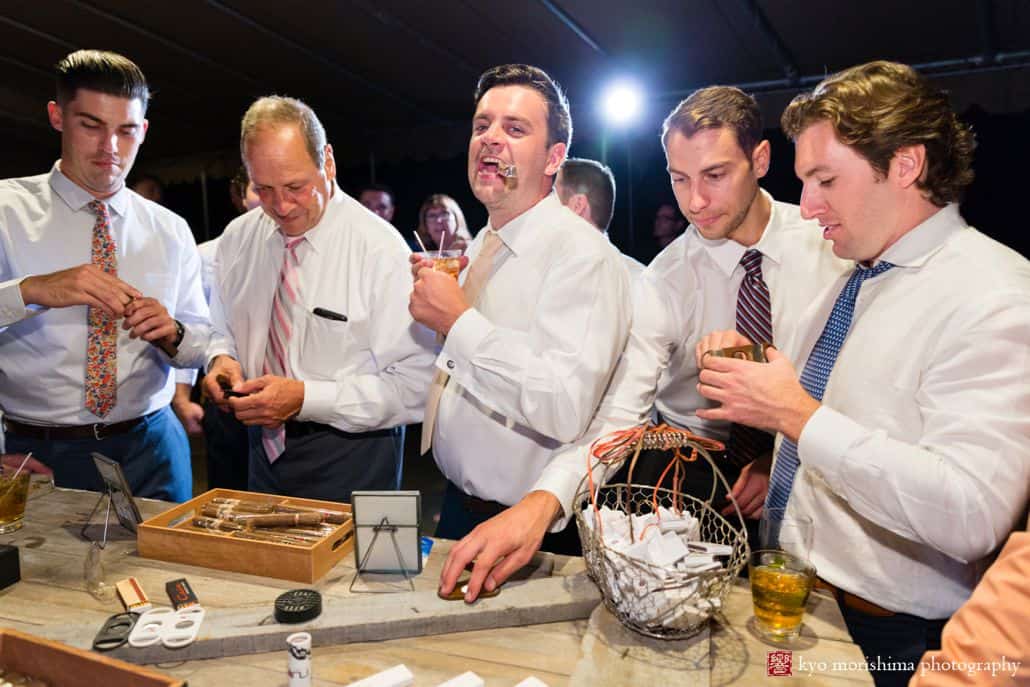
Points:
(102, 333)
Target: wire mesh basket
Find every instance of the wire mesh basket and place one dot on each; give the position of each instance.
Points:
(658, 601)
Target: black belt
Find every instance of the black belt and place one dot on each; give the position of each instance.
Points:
(97, 431)
(298, 428)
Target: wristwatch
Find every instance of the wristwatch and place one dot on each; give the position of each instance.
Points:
(180, 332)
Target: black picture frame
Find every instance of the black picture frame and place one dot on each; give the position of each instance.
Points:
(118, 490)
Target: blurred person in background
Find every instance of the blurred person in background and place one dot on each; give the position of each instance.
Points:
(242, 193)
(379, 199)
(587, 187)
(150, 187)
(225, 437)
(441, 224)
(668, 224)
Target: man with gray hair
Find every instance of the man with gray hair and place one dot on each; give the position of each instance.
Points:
(587, 187)
(313, 347)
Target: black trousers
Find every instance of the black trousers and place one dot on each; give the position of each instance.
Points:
(228, 449)
(893, 645)
(321, 462)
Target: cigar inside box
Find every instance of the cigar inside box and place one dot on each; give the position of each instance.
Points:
(278, 536)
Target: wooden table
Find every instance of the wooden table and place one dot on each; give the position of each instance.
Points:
(51, 601)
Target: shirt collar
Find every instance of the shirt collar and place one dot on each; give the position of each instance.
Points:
(317, 235)
(918, 244)
(726, 253)
(517, 234)
(77, 198)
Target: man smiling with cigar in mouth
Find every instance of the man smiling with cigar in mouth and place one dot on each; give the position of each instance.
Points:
(532, 335)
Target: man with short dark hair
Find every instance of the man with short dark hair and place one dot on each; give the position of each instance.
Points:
(588, 189)
(907, 438)
(532, 335)
(668, 224)
(746, 262)
(379, 199)
(310, 325)
(99, 295)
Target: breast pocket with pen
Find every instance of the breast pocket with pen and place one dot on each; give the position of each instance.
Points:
(330, 344)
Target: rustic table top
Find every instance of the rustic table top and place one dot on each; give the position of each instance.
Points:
(592, 649)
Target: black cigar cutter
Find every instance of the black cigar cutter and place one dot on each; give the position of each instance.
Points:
(115, 632)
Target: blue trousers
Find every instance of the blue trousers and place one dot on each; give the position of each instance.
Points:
(155, 458)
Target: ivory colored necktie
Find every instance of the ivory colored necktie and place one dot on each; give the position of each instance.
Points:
(754, 320)
(277, 360)
(479, 272)
(815, 376)
(102, 329)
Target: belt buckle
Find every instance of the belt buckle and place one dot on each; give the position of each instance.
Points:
(97, 426)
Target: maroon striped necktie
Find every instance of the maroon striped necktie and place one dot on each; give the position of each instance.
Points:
(754, 320)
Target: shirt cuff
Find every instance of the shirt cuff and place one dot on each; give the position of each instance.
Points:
(186, 376)
(12, 307)
(824, 441)
(562, 485)
(319, 399)
(462, 341)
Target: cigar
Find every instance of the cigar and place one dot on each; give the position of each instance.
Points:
(244, 506)
(262, 535)
(279, 519)
(226, 512)
(332, 516)
(216, 524)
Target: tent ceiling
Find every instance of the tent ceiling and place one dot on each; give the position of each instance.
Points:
(394, 77)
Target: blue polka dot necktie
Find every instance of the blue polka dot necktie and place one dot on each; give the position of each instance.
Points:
(816, 374)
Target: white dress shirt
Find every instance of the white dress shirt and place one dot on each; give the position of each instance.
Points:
(530, 361)
(917, 465)
(633, 266)
(690, 290)
(46, 226)
(368, 373)
(207, 272)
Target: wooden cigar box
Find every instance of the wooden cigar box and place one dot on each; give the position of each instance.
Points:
(60, 665)
(171, 537)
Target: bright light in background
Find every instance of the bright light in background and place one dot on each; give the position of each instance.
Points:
(622, 103)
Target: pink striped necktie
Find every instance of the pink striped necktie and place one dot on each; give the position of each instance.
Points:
(277, 359)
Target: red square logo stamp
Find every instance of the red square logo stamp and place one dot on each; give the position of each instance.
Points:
(779, 663)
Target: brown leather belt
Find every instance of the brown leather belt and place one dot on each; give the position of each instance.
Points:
(96, 431)
(855, 603)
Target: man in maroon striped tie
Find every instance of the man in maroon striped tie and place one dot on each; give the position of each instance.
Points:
(747, 263)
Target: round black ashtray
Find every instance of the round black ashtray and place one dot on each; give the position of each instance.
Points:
(298, 606)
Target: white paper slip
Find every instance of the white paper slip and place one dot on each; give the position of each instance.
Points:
(468, 679)
(398, 676)
(532, 682)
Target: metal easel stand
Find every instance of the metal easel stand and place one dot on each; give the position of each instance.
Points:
(383, 526)
(107, 519)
